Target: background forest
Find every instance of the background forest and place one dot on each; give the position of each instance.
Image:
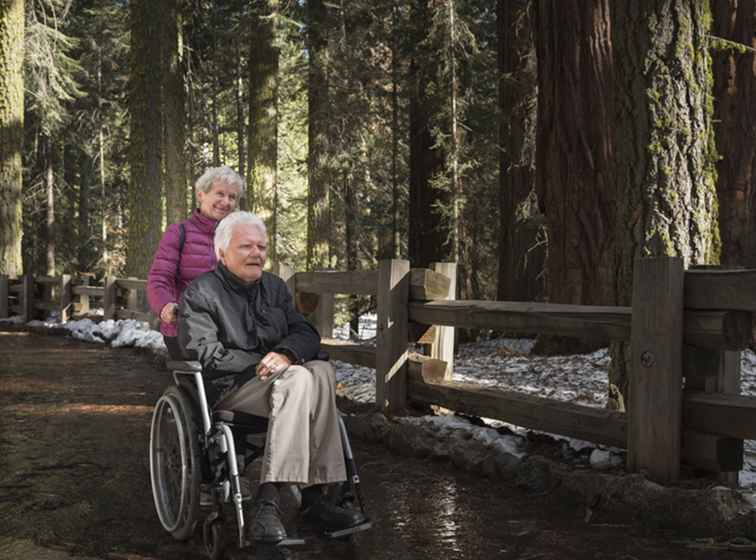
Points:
(541, 144)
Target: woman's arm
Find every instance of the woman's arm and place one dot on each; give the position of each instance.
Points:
(162, 287)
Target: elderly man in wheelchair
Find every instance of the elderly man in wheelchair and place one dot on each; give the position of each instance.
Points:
(256, 362)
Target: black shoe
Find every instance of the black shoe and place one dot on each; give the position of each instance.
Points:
(266, 525)
(332, 517)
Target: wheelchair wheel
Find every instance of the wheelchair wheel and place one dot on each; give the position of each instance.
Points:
(175, 469)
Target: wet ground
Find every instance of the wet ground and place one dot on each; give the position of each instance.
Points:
(74, 480)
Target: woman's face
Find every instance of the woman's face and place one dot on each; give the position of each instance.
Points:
(219, 201)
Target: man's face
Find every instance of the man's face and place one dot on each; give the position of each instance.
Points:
(246, 253)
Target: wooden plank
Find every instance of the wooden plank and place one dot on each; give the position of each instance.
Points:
(306, 302)
(712, 452)
(349, 352)
(46, 306)
(655, 407)
(64, 297)
(4, 284)
(47, 280)
(333, 282)
(712, 329)
(110, 295)
(132, 300)
(131, 283)
(427, 284)
(717, 413)
(391, 351)
(88, 291)
(721, 289)
(598, 425)
(442, 347)
(16, 288)
(527, 317)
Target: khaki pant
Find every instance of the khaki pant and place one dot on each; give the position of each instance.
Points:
(303, 444)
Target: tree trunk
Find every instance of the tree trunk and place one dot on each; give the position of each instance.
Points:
(318, 198)
(735, 128)
(145, 188)
(11, 134)
(395, 239)
(520, 259)
(665, 200)
(49, 209)
(241, 125)
(263, 111)
(574, 147)
(431, 232)
(174, 111)
(84, 254)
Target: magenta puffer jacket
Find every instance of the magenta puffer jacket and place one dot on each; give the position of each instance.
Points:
(167, 278)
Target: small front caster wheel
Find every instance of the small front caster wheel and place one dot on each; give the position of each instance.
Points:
(215, 540)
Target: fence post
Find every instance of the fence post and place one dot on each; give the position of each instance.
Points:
(324, 315)
(4, 311)
(83, 306)
(65, 297)
(391, 351)
(655, 408)
(109, 298)
(27, 297)
(442, 347)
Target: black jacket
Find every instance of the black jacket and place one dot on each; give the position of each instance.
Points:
(229, 325)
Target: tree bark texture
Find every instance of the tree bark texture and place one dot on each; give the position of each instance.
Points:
(145, 188)
(431, 231)
(735, 129)
(174, 110)
(665, 199)
(11, 134)
(574, 147)
(318, 198)
(520, 259)
(262, 157)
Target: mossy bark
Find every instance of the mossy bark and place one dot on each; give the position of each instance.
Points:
(262, 176)
(11, 133)
(735, 126)
(145, 156)
(664, 193)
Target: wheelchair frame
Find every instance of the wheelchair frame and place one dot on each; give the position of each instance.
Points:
(215, 442)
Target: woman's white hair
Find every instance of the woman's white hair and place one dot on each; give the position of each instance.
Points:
(222, 174)
(225, 228)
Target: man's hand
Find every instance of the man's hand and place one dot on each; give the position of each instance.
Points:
(168, 313)
(272, 363)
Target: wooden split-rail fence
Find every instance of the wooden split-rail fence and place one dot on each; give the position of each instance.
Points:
(686, 328)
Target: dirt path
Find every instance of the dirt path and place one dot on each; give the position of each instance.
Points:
(74, 479)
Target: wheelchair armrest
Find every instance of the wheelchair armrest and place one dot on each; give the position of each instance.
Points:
(189, 367)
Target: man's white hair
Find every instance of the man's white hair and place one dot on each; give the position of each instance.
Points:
(225, 228)
(222, 174)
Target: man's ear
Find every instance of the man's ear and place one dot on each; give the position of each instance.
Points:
(222, 256)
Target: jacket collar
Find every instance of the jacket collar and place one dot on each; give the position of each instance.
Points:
(202, 222)
(235, 283)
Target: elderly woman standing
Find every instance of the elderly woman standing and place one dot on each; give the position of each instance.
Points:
(186, 249)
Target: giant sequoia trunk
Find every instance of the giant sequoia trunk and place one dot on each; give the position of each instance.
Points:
(263, 114)
(145, 188)
(520, 261)
(735, 125)
(318, 199)
(665, 202)
(174, 129)
(431, 232)
(11, 133)
(574, 147)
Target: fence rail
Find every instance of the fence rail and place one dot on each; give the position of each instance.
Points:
(686, 331)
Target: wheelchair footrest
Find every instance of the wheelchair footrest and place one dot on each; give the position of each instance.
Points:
(351, 531)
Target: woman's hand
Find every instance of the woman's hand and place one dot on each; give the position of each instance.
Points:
(168, 313)
(272, 363)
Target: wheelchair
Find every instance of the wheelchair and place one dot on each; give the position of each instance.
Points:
(193, 448)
